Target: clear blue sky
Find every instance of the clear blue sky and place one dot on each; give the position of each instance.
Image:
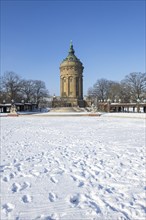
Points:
(108, 37)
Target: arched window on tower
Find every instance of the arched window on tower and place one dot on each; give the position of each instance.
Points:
(70, 85)
(77, 86)
(63, 87)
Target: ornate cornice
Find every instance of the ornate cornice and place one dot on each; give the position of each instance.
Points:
(68, 68)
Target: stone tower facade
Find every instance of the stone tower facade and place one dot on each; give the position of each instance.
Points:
(71, 80)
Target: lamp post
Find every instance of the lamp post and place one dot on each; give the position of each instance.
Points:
(108, 105)
(4, 107)
(22, 101)
(53, 103)
(97, 102)
(13, 107)
(138, 108)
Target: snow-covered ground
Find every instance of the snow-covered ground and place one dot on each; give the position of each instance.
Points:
(73, 168)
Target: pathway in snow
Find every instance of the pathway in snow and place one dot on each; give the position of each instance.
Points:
(73, 168)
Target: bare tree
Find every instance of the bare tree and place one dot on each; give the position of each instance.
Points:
(1, 91)
(11, 85)
(40, 91)
(115, 91)
(133, 87)
(135, 84)
(27, 90)
(125, 94)
(101, 89)
(90, 92)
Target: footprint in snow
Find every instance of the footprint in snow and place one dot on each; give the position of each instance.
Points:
(16, 187)
(81, 184)
(52, 197)
(50, 217)
(26, 198)
(7, 208)
(35, 173)
(25, 185)
(54, 180)
(46, 170)
(109, 190)
(94, 206)
(9, 177)
(3, 167)
(18, 166)
(79, 179)
(75, 199)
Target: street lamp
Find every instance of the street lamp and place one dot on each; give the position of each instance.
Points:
(22, 107)
(108, 105)
(138, 101)
(12, 105)
(13, 108)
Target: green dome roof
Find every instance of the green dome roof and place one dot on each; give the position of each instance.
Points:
(71, 56)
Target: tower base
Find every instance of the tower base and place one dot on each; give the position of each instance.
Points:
(68, 102)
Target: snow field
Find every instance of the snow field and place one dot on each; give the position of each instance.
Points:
(73, 168)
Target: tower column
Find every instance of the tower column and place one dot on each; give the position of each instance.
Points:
(61, 82)
(80, 87)
(74, 87)
(67, 87)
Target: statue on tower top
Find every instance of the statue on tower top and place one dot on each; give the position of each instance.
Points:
(71, 50)
(71, 43)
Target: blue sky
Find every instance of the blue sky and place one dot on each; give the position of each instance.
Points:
(108, 37)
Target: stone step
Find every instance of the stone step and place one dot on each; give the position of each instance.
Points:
(66, 109)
